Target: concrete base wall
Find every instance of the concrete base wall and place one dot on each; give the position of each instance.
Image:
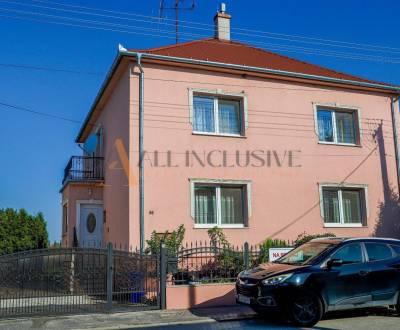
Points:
(205, 295)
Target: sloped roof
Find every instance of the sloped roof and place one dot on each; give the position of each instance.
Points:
(233, 52)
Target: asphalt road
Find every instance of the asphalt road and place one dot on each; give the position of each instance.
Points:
(354, 321)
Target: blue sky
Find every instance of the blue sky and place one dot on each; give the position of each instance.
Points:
(34, 149)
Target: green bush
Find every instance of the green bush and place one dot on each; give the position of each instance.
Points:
(304, 237)
(173, 241)
(266, 245)
(226, 258)
(20, 231)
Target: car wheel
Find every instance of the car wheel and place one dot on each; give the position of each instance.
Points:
(305, 310)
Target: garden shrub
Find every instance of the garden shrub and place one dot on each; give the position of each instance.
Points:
(304, 237)
(266, 245)
(173, 241)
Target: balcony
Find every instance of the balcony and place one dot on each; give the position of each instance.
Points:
(83, 169)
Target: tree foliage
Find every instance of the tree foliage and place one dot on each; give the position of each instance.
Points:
(20, 231)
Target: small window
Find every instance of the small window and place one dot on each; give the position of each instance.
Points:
(349, 254)
(91, 223)
(217, 115)
(338, 126)
(343, 206)
(219, 205)
(65, 218)
(378, 251)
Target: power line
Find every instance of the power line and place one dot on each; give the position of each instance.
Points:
(42, 68)
(150, 19)
(322, 52)
(45, 114)
(24, 109)
(211, 27)
(309, 210)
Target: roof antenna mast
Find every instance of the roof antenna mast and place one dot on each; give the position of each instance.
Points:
(176, 5)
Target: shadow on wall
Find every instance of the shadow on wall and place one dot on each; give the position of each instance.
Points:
(388, 222)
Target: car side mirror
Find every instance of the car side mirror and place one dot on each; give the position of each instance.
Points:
(334, 263)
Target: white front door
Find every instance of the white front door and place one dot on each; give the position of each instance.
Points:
(90, 225)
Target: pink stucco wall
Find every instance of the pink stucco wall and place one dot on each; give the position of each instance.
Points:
(115, 122)
(70, 195)
(206, 295)
(284, 200)
(281, 117)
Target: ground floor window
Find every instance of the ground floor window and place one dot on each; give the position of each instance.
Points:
(343, 206)
(222, 204)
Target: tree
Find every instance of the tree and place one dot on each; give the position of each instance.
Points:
(20, 231)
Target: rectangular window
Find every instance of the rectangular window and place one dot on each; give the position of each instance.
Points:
(343, 206)
(65, 218)
(219, 205)
(337, 126)
(216, 115)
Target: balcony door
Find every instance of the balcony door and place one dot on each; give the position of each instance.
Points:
(90, 225)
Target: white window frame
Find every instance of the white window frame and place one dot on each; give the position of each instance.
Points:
(335, 107)
(340, 187)
(218, 183)
(219, 94)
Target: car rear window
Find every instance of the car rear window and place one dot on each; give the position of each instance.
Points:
(396, 249)
(378, 251)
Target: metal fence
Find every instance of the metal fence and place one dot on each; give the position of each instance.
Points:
(74, 280)
(70, 280)
(205, 262)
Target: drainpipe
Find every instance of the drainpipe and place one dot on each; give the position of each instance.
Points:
(394, 102)
(141, 152)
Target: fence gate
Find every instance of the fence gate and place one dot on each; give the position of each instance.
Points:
(73, 280)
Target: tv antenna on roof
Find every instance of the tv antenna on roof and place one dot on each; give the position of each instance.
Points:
(177, 5)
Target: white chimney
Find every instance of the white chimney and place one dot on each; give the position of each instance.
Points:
(222, 22)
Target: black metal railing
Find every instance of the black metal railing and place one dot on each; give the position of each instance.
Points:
(84, 168)
(76, 280)
(207, 262)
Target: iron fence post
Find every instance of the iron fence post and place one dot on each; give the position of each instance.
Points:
(163, 276)
(110, 275)
(246, 255)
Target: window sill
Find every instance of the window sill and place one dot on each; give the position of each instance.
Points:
(343, 225)
(220, 226)
(219, 134)
(340, 144)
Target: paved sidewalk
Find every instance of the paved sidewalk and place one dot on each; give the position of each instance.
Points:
(129, 320)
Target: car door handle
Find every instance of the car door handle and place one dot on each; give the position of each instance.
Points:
(363, 272)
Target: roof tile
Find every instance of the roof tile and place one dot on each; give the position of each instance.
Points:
(233, 52)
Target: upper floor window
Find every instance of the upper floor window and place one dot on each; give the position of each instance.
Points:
(217, 115)
(344, 206)
(338, 126)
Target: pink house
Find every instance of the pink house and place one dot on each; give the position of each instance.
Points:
(233, 136)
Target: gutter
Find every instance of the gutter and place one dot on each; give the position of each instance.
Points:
(123, 52)
(141, 151)
(263, 70)
(393, 103)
